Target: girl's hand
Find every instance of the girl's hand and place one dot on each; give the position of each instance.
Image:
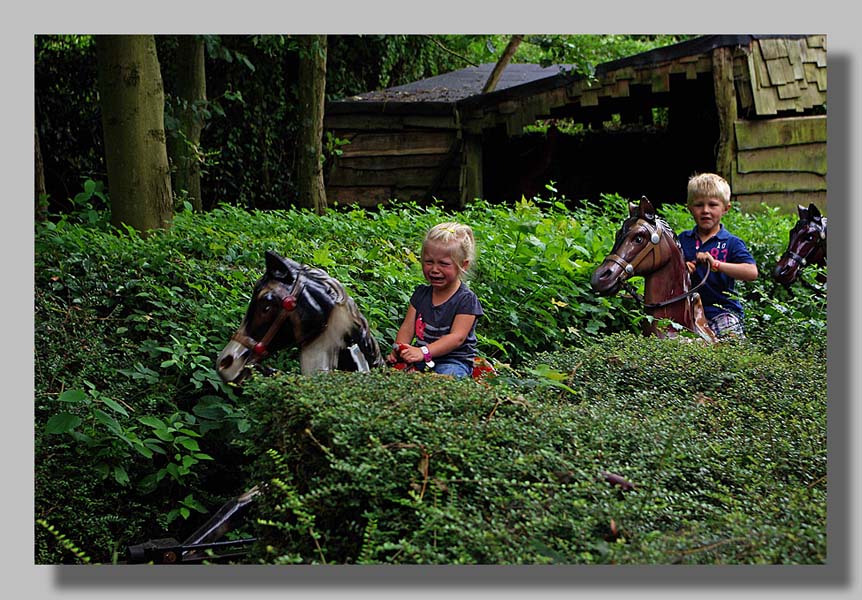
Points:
(411, 354)
(691, 266)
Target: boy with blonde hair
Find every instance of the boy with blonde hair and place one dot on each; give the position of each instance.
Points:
(709, 245)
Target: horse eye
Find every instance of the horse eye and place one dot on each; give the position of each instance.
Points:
(639, 239)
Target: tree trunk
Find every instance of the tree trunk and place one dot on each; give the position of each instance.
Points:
(498, 69)
(184, 146)
(133, 103)
(41, 191)
(312, 87)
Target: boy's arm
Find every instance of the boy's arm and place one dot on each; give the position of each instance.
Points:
(738, 271)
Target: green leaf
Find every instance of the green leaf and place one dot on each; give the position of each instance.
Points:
(153, 422)
(74, 396)
(108, 421)
(115, 406)
(120, 475)
(188, 444)
(62, 423)
(164, 435)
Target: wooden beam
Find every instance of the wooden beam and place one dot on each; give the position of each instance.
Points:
(725, 104)
(752, 183)
(471, 170)
(780, 132)
(810, 158)
(786, 202)
(399, 143)
(445, 168)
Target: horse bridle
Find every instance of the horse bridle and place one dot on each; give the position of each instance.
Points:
(287, 305)
(654, 247)
(803, 260)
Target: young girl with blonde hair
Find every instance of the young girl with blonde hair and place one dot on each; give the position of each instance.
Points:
(441, 317)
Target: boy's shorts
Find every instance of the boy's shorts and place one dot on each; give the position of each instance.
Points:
(726, 325)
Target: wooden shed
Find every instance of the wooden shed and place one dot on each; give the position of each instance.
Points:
(750, 107)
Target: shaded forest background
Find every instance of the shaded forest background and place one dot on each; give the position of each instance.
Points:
(247, 151)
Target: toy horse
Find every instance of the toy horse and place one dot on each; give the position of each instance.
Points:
(294, 305)
(807, 246)
(646, 245)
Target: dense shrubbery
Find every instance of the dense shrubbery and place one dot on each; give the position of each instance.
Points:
(135, 434)
(718, 443)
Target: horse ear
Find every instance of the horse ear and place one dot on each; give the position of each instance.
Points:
(646, 209)
(803, 212)
(280, 268)
(633, 209)
(813, 212)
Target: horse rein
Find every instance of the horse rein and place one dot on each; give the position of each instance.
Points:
(631, 290)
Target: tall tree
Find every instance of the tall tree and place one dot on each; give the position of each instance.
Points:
(312, 88)
(41, 191)
(184, 145)
(133, 101)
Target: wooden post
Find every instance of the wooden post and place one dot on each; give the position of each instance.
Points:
(471, 169)
(725, 104)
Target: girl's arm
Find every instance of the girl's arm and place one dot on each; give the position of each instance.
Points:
(457, 335)
(405, 333)
(455, 338)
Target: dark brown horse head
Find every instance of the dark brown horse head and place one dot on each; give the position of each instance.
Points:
(294, 305)
(638, 249)
(807, 245)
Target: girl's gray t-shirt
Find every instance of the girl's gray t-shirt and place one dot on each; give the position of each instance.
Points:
(433, 322)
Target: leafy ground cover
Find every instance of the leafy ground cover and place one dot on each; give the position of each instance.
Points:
(135, 435)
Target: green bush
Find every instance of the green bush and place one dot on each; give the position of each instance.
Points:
(726, 448)
(129, 409)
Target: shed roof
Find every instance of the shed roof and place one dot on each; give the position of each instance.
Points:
(464, 87)
(460, 84)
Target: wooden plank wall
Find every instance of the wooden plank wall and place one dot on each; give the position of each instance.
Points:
(781, 162)
(377, 166)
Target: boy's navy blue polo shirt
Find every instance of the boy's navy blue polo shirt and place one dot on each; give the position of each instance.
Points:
(717, 291)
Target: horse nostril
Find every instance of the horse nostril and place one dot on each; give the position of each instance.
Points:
(226, 362)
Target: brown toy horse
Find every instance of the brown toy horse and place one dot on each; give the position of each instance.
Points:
(645, 245)
(807, 246)
(294, 305)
